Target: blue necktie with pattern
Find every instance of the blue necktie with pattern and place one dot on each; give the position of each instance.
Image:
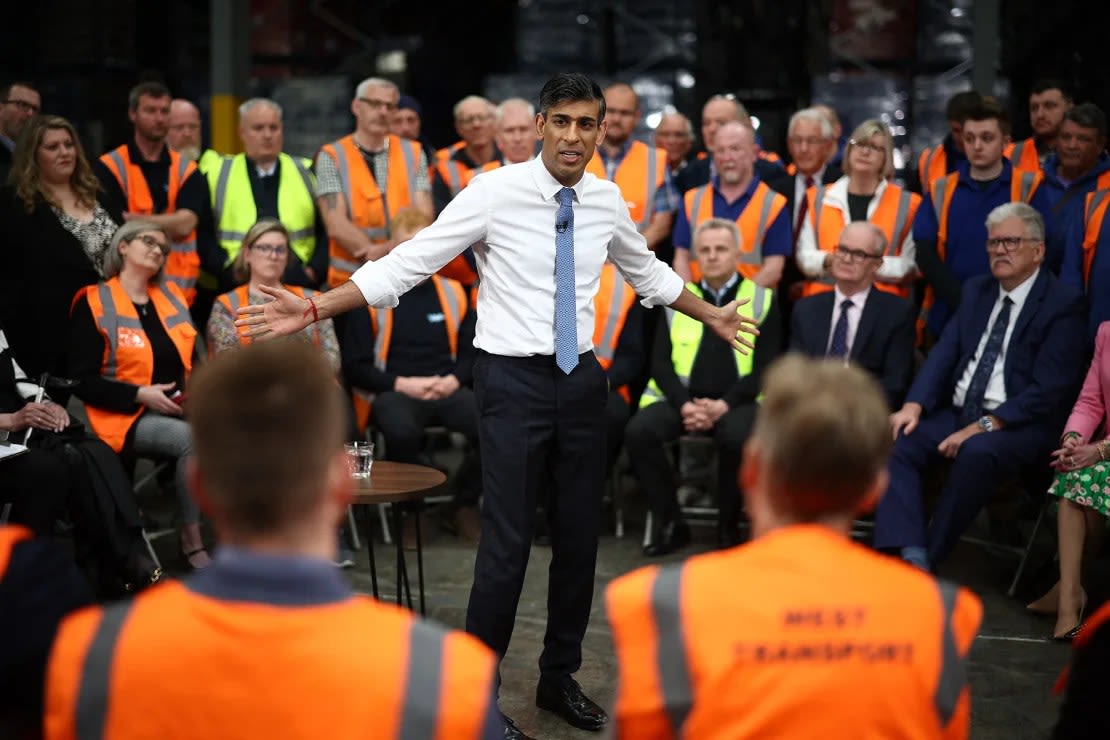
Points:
(838, 348)
(977, 388)
(566, 319)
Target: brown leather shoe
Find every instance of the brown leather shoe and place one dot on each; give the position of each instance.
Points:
(468, 523)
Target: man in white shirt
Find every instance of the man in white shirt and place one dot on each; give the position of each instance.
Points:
(993, 394)
(546, 229)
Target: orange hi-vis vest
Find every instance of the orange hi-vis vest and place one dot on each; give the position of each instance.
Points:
(234, 299)
(10, 536)
(841, 643)
(931, 166)
(893, 214)
(755, 219)
(448, 151)
(128, 357)
(612, 302)
(456, 175)
(452, 298)
(183, 262)
(1023, 155)
(639, 176)
(369, 208)
(345, 670)
(1094, 214)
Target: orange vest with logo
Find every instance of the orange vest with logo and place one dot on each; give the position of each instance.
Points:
(841, 643)
(755, 219)
(369, 208)
(183, 262)
(211, 668)
(1023, 155)
(10, 536)
(452, 299)
(1094, 213)
(128, 357)
(639, 176)
(894, 215)
(233, 300)
(612, 303)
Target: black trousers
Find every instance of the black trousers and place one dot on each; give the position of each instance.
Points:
(655, 425)
(617, 414)
(538, 423)
(402, 420)
(36, 484)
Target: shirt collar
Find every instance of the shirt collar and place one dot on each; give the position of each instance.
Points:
(724, 288)
(817, 176)
(240, 574)
(716, 182)
(858, 300)
(264, 172)
(550, 187)
(1019, 294)
(964, 168)
(137, 156)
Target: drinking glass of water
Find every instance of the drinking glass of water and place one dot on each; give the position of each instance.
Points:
(360, 459)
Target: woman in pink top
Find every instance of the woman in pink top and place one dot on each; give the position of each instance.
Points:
(1083, 484)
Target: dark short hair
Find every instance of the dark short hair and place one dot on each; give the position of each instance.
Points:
(959, 104)
(1088, 115)
(986, 109)
(1044, 84)
(6, 88)
(568, 87)
(150, 89)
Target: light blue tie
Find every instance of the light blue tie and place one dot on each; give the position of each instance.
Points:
(566, 319)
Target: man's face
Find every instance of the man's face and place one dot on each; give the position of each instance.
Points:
(956, 129)
(475, 123)
(1046, 111)
(715, 114)
(809, 148)
(20, 106)
(570, 134)
(734, 154)
(983, 142)
(405, 123)
(856, 258)
(1013, 256)
(516, 134)
(183, 132)
(716, 254)
(622, 111)
(673, 137)
(151, 118)
(262, 134)
(374, 109)
(1078, 146)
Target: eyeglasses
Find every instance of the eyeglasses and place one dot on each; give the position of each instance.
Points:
(1009, 243)
(866, 146)
(271, 250)
(379, 104)
(474, 120)
(806, 141)
(23, 105)
(855, 255)
(153, 243)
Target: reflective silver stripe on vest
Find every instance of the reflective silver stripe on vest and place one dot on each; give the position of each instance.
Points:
(758, 299)
(818, 204)
(305, 175)
(110, 323)
(382, 315)
(422, 687)
(755, 256)
(454, 177)
(939, 188)
(230, 236)
(649, 204)
(181, 312)
(343, 265)
(344, 175)
(451, 306)
(114, 155)
(221, 197)
(1096, 201)
(900, 218)
(953, 666)
(410, 166)
(182, 167)
(1019, 150)
(674, 671)
(1026, 187)
(606, 348)
(933, 154)
(184, 247)
(301, 234)
(695, 208)
(96, 673)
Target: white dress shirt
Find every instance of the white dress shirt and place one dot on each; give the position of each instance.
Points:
(512, 210)
(859, 300)
(995, 395)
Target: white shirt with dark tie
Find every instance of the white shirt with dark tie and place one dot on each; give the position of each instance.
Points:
(859, 300)
(511, 211)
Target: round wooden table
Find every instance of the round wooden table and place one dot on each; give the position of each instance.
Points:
(400, 484)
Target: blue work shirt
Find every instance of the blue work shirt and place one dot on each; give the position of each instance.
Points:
(1066, 205)
(778, 237)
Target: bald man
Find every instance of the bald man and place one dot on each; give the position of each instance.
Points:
(675, 136)
(183, 136)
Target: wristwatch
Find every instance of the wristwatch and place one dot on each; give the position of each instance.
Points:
(986, 424)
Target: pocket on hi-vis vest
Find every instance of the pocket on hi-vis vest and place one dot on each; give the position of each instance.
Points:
(126, 337)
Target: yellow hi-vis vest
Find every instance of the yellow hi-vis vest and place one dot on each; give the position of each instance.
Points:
(686, 334)
(234, 211)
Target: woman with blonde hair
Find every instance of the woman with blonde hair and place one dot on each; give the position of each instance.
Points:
(131, 346)
(261, 260)
(54, 231)
(864, 193)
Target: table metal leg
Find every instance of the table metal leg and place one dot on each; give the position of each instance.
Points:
(403, 590)
(418, 507)
(368, 523)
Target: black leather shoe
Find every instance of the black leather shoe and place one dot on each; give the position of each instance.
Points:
(564, 697)
(512, 732)
(672, 535)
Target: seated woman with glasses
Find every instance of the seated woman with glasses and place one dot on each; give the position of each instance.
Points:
(261, 260)
(864, 193)
(131, 343)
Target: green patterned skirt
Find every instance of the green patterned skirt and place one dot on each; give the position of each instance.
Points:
(1088, 487)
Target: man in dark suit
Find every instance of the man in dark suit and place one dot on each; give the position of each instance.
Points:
(992, 395)
(19, 102)
(857, 321)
